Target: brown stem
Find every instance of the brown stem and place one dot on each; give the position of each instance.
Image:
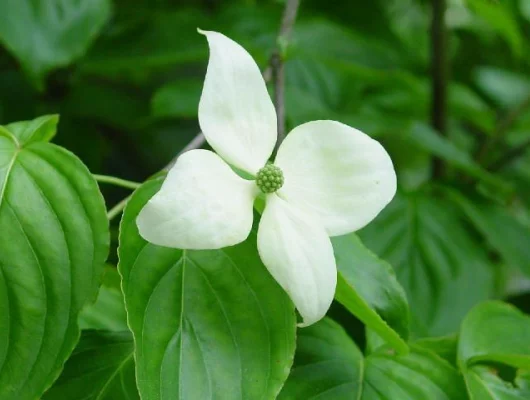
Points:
(439, 73)
(278, 67)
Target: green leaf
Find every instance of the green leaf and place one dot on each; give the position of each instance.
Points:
(54, 240)
(418, 376)
(207, 324)
(303, 106)
(107, 104)
(108, 312)
(178, 99)
(327, 365)
(368, 288)
(444, 347)
(46, 34)
(317, 38)
(425, 138)
(501, 19)
(413, 101)
(507, 89)
(467, 105)
(484, 384)
(41, 129)
(100, 368)
(443, 270)
(524, 7)
(502, 231)
(161, 40)
(495, 331)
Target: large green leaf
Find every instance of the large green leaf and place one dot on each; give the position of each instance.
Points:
(328, 365)
(207, 324)
(442, 269)
(100, 368)
(418, 376)
(53, 243)
(46, 34)
(503, 232)
(495, 331)
(368, 287)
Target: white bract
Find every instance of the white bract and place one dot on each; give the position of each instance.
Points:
(335, 180)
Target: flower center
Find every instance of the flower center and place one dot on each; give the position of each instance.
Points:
(269, 178)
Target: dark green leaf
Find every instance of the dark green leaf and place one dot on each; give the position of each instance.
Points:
(318, 39)
(328, 365)
(506, 88)
(503, 232)
(442, 269)
(178, 99)
(161, 40)
(499, 16)
(425, 138)
(368, 288)
(46, 34)
(53, 244)
(100, 368)
(207, 324)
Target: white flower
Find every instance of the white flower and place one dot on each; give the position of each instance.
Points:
(336, 180)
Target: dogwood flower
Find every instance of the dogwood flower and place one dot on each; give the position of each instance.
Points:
(327, 179)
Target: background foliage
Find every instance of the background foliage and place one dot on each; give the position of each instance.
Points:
(125, 77)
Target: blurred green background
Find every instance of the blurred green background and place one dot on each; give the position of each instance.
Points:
(126, 77)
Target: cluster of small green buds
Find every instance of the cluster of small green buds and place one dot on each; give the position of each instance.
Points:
(269, 178)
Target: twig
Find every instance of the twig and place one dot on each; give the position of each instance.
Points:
(116, 181)
(195, 143)
(502, 127)
(439, 71)
(277, 64)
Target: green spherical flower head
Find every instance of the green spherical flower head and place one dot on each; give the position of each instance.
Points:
(269, 178)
